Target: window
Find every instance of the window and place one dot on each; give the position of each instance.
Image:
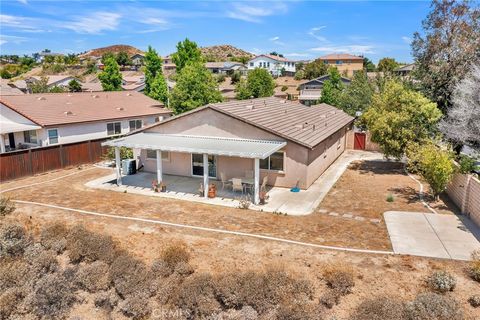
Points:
(268, 64)
(30, 136)
(152, 154)
(252, 64)
(52, 136)
(274, 162)
(325, 62)
(338, 62)
(114, 128)
(135, 124)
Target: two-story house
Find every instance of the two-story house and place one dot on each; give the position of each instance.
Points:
(311, 90)
(346, 64)
(276, 65)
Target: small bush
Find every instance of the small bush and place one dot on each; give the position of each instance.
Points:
(9, 300)
(42, 261)
(14, 273)
(52, 297)
(93, 277)
(136, 306)
(106, 300)
(175, 254)
(161, 269)
(54, 237)
(429, 306)
(13, 240)
(184, 269)
(297, 310)
(84, 245)
(130, 276)
(390, 198)
(441, 281)
(167, 287)
(474, 267)
(330, 298)
(474, 301)
(339, 277)
(381, 308)
(6, 206)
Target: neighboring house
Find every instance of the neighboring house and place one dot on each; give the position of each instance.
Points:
(274, 64)
(53, 81)
(285, 141)
(311, 90)
(226, 67)
(133, 83)
(168, 64)
(287, 88)
(55, 118)
(44, 54)
(9, 89)
(404, 71)
(346, 64)
(137, 60)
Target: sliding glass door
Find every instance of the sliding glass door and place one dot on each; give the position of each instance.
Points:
(197, 165)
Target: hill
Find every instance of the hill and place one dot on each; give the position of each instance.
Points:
(115, 49)
(224, 53)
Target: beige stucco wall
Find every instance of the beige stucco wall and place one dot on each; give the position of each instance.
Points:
(369, 145)
(300, 164)
(346, 67)
(464, 190)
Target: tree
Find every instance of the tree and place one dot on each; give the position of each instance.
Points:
(74, 86)
(39, 86)
(275, 53)
(433, 163)
(358, 95)
(195, 87)
(387, 65)
(159, 89)
(106, 56)
(445, 49)
(259, 83)
(153, 73)
(332, 88)
(187, 52)
(236, 76)
(462, 123)
(368, 65)
(110, 77)
(71, 59)
(123, 59)
(398, 116)
(315, 69)
(56, 89)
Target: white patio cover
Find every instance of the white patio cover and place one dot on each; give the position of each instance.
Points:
(232, 147)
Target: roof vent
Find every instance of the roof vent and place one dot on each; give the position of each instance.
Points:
(41, 98)
(95, 96)
(68, 113)
(333, 112)
(129, 94)
(250, 107)
(69, 102)
(120, 108)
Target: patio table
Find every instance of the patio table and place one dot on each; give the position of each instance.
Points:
(249, 181)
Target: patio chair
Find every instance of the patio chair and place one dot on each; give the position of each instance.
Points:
(249, 174)
(224, 180)
(237, 185)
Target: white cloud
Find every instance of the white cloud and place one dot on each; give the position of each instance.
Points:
(250, 13)
(407, 39)
(354, 49)
(23, 1)
(274, 38)
(314, 33)
(298, 55)
(277, 41)
(4, 39)
(94, 23)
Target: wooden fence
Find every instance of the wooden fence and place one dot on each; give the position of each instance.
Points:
(28, 162)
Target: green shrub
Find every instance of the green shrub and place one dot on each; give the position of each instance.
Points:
(380, 308)
(6, 206)
(390, 198)
(441, 281)
(284, 88)
(474, 266)
(429, 306)
(467, 164)
(339, 277)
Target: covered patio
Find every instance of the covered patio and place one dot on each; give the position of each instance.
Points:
(206, 146)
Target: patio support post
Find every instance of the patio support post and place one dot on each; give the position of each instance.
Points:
(256, 186)
(2, 143)
(159, 166)
(205, 175)
(118, 165)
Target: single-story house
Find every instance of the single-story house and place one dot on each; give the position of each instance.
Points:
(285, 142)
(311, 90)
(404, 71)
(137, 59)
(52, 81)
(7, 88)
(226, 67)
(35, 120)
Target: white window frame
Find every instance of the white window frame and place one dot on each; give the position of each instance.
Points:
(48, 136)
(114, 133)
(268, 161)
(135, 121)
(165, 155)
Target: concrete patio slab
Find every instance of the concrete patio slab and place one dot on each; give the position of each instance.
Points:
(431, 235)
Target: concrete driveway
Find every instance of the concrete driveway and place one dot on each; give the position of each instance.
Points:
(432, 235)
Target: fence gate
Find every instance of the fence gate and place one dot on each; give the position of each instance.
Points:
(359, 141)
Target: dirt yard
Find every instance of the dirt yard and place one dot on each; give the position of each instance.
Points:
(365, 186)
(376, 275)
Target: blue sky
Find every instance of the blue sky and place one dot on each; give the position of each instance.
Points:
(298, 29)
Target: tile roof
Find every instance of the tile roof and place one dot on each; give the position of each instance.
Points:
(64, 108)
(340, 56)
(271, 56)
(54, 78)
(307, 126)
(6, 89)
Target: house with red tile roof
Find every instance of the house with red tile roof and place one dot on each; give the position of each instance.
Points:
(34, 120)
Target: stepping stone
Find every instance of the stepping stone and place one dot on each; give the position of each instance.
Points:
(375, 220)
(322, 210)
(333, 214)
(360, 218)
(348, 215)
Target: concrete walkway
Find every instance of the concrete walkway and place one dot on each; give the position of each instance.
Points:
(432, 235)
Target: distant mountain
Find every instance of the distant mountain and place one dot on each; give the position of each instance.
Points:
(114, 49)
(224, 53)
